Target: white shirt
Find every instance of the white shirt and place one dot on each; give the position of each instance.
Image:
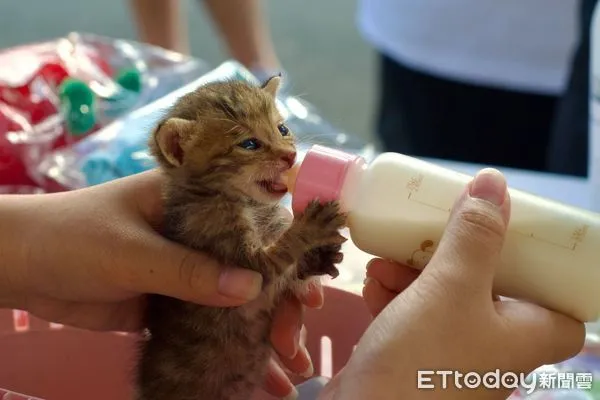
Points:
(519, 44)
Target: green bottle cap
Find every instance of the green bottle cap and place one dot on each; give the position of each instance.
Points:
(77, 101)
(130, 79)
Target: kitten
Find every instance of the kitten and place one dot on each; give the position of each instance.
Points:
(223, 149)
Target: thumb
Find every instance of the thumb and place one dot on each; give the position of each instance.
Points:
(539, 336)
(168, 268)
(474, 235)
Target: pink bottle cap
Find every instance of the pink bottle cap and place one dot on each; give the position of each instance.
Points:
(321, 176)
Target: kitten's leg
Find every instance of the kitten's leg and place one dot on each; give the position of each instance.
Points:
(318, 227)
(317, 262)
(312, 266)
(320, 261)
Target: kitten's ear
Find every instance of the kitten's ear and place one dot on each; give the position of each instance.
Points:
(168, 140)
(271, 86)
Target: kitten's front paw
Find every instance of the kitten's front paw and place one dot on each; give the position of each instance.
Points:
(321, 224)
(321, 261)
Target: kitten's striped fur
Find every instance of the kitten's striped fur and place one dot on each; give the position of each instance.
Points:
(213, 204)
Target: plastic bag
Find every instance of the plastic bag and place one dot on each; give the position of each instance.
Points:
(55, 93)
(120, 148)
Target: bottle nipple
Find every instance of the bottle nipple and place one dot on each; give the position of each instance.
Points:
(289, 177)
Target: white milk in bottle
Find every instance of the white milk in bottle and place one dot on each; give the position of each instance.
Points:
(398, 207)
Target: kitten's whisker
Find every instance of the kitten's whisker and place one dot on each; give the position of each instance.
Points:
(309, 139)
(322, 139)
(220, 119)
(235, 127)
(299, 95)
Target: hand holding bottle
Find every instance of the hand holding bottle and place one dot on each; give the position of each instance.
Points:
(445, 318)
(398, 207)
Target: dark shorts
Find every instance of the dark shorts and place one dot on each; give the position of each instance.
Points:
(568, 149)
(426, 116)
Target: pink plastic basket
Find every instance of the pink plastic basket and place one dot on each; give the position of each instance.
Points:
(40, 360)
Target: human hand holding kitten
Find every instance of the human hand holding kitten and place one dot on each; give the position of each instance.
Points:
(97, 254)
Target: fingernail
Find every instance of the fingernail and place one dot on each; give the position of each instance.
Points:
(310, 371)
(296, 344)
(292, 396)
(489, 184)
(322, 294)
(371, 281)
(316, 283)
(371, 261)
(240, 283)
(368, 280)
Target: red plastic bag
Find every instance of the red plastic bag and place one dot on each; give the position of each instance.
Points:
(55, 93)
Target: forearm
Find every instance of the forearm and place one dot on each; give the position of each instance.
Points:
(245, 32)
(15, 221)
(158, 23)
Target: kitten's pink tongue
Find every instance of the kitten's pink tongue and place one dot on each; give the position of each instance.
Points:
(279, 186)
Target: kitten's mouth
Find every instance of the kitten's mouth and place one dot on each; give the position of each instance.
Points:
(273, 186)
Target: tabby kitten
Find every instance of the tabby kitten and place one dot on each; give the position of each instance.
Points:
(223, 149)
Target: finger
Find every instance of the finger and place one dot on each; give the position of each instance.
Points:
(375, 293)
(170, 269)
(277, 382)
(313, 297)
(332, 388)
(301, 364)
(376, 296)
(391, 275)
(142, 191)
(125, 316)
(541, 336)
(474, 235)
(287, 322)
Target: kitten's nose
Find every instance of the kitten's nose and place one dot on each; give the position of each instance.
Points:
(289, 159)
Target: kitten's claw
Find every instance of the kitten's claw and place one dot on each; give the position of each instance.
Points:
(319, 229)
(337, 258)
(321, 224)
(327, 214)
(338, 240)
(321, 261)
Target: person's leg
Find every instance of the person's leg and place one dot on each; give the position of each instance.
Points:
(568, 150)
(425, 116)
(244, 27)
(158, 23)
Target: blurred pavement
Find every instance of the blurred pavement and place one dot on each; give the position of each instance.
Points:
(318, 43)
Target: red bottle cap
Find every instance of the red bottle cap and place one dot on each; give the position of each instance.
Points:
(321, 176)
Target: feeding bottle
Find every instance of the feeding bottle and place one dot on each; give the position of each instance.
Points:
(398, 207)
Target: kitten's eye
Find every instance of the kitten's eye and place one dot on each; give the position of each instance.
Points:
(250, 144)
(283, 129)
